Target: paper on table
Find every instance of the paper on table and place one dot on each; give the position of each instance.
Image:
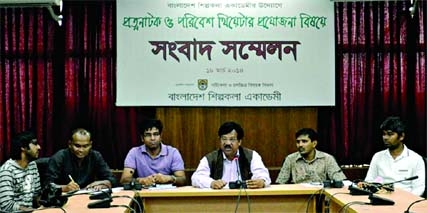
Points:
(162, 186)
(88, 191)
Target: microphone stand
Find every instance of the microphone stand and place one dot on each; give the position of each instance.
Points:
(332, 182)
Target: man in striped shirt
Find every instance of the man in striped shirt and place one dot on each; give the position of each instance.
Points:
(19, 177)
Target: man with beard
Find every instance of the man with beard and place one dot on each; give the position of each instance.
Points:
(78, 166)
(397, 162)
(231, 163)
(19, 177)
(309, 165)
(153, 162)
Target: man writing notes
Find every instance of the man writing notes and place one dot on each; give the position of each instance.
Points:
(79, 166)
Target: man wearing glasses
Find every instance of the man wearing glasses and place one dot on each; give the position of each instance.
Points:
(232, 163)
(78, 166)
(153, 162)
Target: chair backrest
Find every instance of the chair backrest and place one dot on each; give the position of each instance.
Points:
(42, 164)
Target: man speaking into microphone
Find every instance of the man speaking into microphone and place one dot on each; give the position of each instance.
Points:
(397, 163)
(231, 163)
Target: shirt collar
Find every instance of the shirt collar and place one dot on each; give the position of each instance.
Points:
(225, 157)
(163, 150)
(317, 155)
(405, 153)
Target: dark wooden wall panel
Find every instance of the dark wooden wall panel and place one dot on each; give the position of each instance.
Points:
(269, 131)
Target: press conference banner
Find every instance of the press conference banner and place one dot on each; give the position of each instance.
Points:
(225, 53)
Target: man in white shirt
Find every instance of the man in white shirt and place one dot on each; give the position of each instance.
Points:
(397, 162)
(231, 163)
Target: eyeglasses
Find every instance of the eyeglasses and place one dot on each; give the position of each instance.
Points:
(232, 140)
(149, 135)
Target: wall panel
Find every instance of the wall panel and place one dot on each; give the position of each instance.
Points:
(269, 131)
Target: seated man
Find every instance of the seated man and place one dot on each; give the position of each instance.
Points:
(78, 166)
(397, 162)
(309, 164)
(19, 178)
(231, 162)
(153, 162)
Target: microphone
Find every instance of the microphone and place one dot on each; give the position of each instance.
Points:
(390, 186)
(333, 183)
(376, 200)
(239, 183)
(354, 190)
(406, 179)
(104, 203)
(133, 185)
(239, 176)
(368, 188)
(101, 194)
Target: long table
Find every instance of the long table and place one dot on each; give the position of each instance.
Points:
(275, 198)
(341, 201)
(78, 204)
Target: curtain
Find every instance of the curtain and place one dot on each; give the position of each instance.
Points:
(57, 78)
(54, 79)
(380, 69)
(90, 81)
(26, 76)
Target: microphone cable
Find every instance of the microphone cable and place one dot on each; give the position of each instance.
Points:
(417, 201)
(243, 186)
(320, 192)
(328, 200)
(125, 206)
(344, 208)
(238, 199)
(248, 200)
(133, 199)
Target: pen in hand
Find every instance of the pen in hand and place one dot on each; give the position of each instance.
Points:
(76, 186)
(71, 178)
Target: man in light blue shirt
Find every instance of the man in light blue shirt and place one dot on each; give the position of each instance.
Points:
(231, 162)
(153, 162)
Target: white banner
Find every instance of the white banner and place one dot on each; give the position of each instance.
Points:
(225, 53)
